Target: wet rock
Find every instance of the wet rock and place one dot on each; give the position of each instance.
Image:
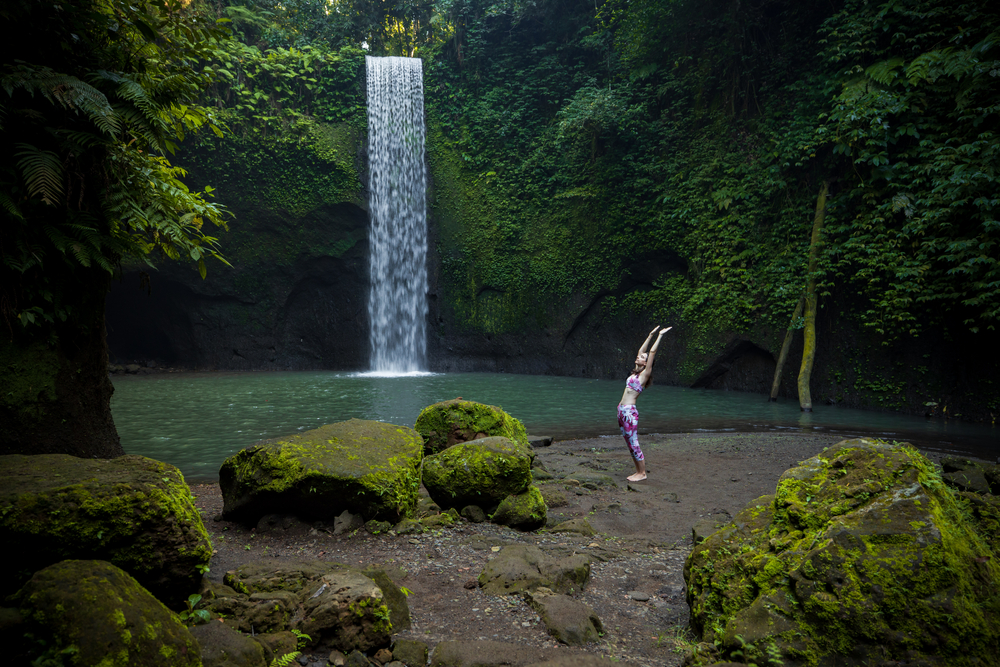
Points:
(973, 480)
(357, 659)
(519, 568)
(524, 511)
(368, 468)
(639, 596)
(221, 646)
(570, 621)
(376, 527)
(383, 656)
(448, 423)
(579, 526)
(474, 513)
(553, 496)
(98, 610)
(408, 527)
(277, 644)
(539, 440)
(862, 551)
(410, 652)
(336, 658)
(540, 475)
(131, 511)
(392, 594)
(334, 604)
(481, 473)
(706, 527)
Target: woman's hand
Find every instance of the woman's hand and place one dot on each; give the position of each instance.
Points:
(663, 331)
(654, 330)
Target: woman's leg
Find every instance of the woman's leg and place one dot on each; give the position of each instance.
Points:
(628, 421)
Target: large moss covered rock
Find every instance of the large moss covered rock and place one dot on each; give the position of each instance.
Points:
(862, 556)
(132, 511)
(336, 605)
(451, 422)
(88, 612)
(482, 472)
(368, 468)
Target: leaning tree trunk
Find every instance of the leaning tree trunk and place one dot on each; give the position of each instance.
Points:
(56, 393)
(783, 355)
(809, 331)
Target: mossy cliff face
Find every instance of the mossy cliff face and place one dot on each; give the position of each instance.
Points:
(483, 472)
(861, 555)
(296, 294)
(366, 467)
(450, 422)
(131, 511)
(90, 613)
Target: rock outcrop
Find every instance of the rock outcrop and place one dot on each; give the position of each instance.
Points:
(452, 422)
(518, 568)
(336, 605)
(524, 511)
(368, 468)
(863, 554)
(89, 612)
(133, 512)
(482, 472)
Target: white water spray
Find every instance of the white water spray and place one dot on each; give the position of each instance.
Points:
(397, 302)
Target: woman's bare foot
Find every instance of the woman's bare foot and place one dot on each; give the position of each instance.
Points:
(637, 477)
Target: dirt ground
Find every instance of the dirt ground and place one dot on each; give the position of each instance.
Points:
(643, 536)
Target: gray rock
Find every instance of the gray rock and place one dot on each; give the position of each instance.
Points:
(102, 611)
(336, 658)
(519, 568)
(539, 440)
(346, 522)
(474, 513)
(553, 496)
(540, 475)
(410, 652)
(580, 526)
(972, 479)
(570, 621)
(704, 528)
(281, 524)
(357, 659)
(639, 596)
(221, 646)
(133, 512)
(366, 467)
(594, 479)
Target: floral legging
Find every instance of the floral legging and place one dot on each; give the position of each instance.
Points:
(628, 421)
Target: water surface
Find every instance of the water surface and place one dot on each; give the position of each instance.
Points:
(195, 420)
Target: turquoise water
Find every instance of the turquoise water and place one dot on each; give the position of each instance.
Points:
(196, 420)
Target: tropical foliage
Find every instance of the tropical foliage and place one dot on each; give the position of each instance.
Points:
(96, 96)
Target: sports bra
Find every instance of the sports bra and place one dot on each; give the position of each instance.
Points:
(634, 383)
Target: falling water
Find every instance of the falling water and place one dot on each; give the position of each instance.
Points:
(397, 303)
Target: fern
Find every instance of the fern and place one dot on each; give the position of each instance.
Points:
(286, 659)
(42, 172)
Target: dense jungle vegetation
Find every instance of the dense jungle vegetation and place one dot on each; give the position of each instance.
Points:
(569, 143)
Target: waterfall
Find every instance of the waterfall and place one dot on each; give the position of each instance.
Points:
(397, 302)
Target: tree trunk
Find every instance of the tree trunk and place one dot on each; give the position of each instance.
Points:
(809, 331)
(56, 396)
(783, 355)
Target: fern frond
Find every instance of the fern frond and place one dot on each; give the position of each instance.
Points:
(285, 660)
(42, 172)
(67, 91)
(10, 206)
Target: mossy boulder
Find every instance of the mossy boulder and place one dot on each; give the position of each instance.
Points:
(336, 605)
(449, 423)
(132, 511)
(368, 468)
(482, 472)
(91, 613)
(524, 511)
(861, 555)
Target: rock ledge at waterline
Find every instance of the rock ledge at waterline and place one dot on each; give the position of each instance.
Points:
(862, 553)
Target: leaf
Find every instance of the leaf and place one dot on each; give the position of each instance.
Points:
(42, 172)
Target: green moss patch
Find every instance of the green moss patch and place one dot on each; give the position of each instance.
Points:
(862, 552)
(524, 511)
(366, 467)
(132, 511)
(450, 422)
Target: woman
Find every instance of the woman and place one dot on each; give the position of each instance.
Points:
(628, 414)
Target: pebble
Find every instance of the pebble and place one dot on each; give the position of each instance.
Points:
(638, 596)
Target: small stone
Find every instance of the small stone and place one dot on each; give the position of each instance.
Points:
(471, 584)
(639, 596)
(383, 656)
(336, 658)
(302, 660)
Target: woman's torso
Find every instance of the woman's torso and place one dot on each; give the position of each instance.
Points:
(633, 387)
